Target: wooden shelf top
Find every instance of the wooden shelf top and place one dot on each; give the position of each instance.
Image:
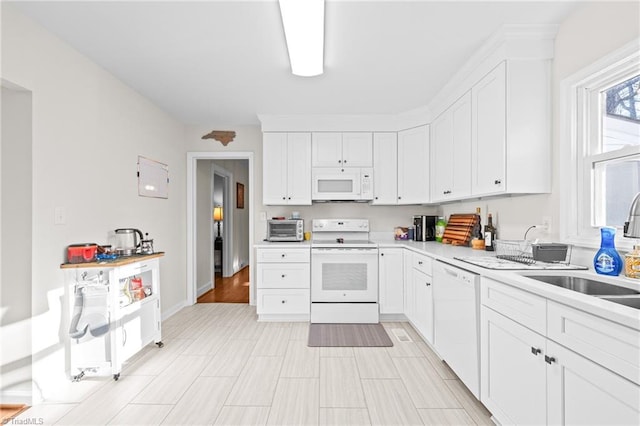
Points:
(121, 261)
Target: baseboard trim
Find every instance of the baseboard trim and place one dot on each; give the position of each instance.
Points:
(393, 317)
(204, 288)
(173, 310)
(16, 397)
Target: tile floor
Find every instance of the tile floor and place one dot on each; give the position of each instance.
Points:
(219, 366)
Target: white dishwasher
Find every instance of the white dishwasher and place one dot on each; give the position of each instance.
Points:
(456, 295)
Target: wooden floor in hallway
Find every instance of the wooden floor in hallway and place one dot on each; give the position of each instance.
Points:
(234, 289)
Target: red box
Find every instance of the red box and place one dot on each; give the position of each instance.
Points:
(81, 253)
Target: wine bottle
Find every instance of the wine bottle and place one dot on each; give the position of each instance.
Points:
(490, 234)
(478, 228)
(477, 242)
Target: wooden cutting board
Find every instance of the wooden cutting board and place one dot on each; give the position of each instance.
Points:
(459, 229)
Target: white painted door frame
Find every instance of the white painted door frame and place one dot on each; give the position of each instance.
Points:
(192, 158)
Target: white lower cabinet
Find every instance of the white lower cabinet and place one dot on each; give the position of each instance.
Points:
(581, 392)
(409, 290)
(418, 306)
(283, 302)
(390, 273)
(513, 372)
(423, 298)
(527, 378)
(283, 284)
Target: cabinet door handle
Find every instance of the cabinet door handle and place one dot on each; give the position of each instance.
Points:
(289, 197)
(283, 255)
(428, 284)
(284, 198)
(419, 262)
(399, 198)
(549, 359)
(284, 301)
(339, 161)
(497, 181)
(535, 351)
(381, 254)
(344, 162)
(283, 275)
(376, 198)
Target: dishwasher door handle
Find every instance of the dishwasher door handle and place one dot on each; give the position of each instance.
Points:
(450, 272)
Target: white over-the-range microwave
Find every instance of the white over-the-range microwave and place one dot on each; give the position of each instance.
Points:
(342, 184)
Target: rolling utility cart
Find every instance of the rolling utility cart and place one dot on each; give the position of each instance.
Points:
(114, 312)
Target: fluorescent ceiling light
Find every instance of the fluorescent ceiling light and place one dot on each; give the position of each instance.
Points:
(303, 22)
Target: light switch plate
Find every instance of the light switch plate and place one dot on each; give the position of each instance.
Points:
(59, 216)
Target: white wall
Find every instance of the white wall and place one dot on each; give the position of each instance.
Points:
(88, 129)
(15, 228)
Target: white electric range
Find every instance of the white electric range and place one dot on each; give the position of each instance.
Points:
(344, 272)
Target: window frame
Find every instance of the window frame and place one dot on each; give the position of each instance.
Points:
(580, 133)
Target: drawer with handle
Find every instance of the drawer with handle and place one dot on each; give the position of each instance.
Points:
(283, 255)
(283, 275)
(422, 263)
(288, 301)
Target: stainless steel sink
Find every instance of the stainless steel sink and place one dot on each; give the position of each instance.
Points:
(631, 301)
(585, 285)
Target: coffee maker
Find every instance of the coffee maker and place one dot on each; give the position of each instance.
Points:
(425, 228)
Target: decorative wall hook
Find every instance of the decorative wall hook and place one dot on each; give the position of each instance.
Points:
(222, 136)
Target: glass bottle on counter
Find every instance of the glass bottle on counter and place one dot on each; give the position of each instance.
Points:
(632, 263)
(477, 241)
(490, 234)
(607, 261)
(440, 226)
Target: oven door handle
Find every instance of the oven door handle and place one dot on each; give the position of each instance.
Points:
(343, 250)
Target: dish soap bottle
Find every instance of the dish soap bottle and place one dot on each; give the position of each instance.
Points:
(440, 225)
(632, 263)
(607, 260)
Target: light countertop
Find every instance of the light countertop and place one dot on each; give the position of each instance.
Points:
(446, 253)
(615, 312)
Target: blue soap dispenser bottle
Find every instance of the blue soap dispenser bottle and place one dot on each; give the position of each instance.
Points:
(607, 261)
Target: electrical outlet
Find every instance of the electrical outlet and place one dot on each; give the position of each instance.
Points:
(546, 224)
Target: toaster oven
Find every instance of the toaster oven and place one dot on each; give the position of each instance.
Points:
(285, 230)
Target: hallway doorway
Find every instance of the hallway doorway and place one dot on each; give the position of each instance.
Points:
(235, 224)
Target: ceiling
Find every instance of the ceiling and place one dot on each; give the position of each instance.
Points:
(224, 62)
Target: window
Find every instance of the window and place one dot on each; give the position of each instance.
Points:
(603, 128)
(615, 169)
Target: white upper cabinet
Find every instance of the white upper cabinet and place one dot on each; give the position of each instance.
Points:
(350, 149)
(451, 152)
(413, 166)
(491, 134)
(286, 162)
(511, 138)
(385, 168)
(489, 125)
(326, 149)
